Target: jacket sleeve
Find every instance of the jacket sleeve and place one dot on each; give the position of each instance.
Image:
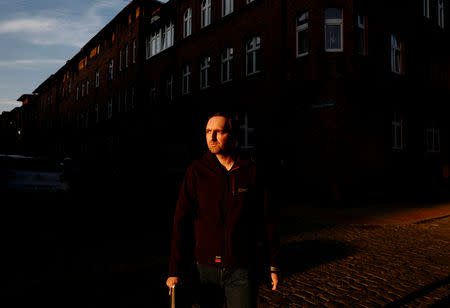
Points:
(182, 232)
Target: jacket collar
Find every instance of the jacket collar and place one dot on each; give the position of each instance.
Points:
(211, 161)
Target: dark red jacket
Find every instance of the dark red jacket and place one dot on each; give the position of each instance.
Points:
(221, 216)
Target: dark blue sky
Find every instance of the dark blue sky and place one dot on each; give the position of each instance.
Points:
(38, 37)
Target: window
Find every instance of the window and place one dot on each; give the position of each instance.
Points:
(362, 35)
(206, 13)
(426, 8)
(441, 13)
(119, 100)
(187, 23)
(126, 55)
(333, 29)
(69, 88)
(204, 72)
(432, 138)
(148, 46)
(227, 7)
(87, 87)
(134, 51)
(169, 88)
(253, 61)
(397, 51)
(302, 34)
(397, 132)
(169, 35)
(120, 60)
(110, 108)
(97, 78)
(185, 87)
(226, 66)
(83, 89)
(77, 93)
(246, 132)
(111, 69)
(132, 98)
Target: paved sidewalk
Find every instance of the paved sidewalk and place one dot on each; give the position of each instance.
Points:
(375, 214)
(375, 256)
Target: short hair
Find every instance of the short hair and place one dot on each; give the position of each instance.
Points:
(230, 125)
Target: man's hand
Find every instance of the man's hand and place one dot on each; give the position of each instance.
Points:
(171, 282)
(274, 277)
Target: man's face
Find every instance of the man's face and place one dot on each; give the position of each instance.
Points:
(218, 137)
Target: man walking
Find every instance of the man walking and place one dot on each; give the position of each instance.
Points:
(223, 206)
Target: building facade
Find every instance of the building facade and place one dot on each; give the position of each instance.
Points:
(343, 99)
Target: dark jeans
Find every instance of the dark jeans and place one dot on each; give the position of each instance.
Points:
(235, 287)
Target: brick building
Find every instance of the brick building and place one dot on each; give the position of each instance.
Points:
(342, 98)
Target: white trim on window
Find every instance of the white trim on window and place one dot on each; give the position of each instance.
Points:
(226, 65)
(426, 8)
(187, 24)
(134, 51)
(396, 55)
(302, 40)
(227, 7)
(397, 132)
(334, 36)
(433, 139)
(253, 61)
(440, 13)
(362, 34)
(97, 78)
(186, 82)
(204, 72)
(206, 13)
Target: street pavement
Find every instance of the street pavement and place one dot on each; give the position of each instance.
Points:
(375, 256)
(392, 255)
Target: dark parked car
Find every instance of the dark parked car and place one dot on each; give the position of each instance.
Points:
(20, 173)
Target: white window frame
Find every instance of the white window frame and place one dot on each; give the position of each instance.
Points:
(206, 13)
(440, 13)
(120, 60)
(362, 34)
(204, 72)
(334, 22)
(253, 49)
(433, 145)
(169, 87)
(186, 82)
(227, 7)
(396, 55)
(97, 78)
(170, 30)
(132, 98)
(426, 8)
(187, 24)
(246, 132)
(302, 26)
(397, 132)
(148, 47)
(126, 56)
(134, 51)
(226, 65)
(111, 69)
(110, 108)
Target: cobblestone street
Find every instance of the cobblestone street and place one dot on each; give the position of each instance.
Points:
(350, 265)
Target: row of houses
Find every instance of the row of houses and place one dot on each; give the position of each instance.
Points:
(341, 98)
